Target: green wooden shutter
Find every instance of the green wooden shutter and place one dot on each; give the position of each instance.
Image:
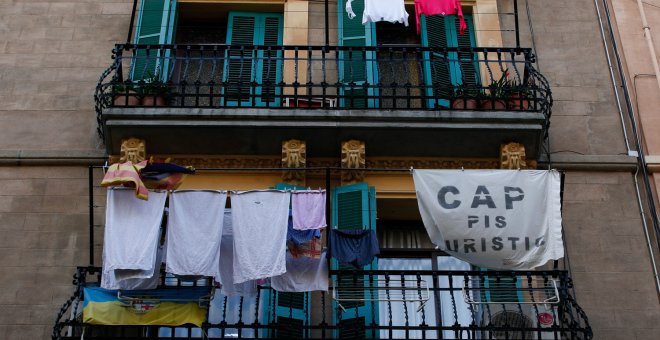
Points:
(155, 25)
(354, 207)
(444, 71)
(292, 310)
(467, 70)
(243, 67)
(357, 67)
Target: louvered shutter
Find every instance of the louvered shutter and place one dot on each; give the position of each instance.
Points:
(437, 68)
(354, 207)
(245, 66)
(501, 289)
(357, 67)
(155, 25)
(445, 70)
(467, 73)
(272, 61)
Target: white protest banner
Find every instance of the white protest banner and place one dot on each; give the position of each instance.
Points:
(497, 219)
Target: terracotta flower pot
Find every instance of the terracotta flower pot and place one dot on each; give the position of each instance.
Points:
(489, 104)
(465, 104)
(518, 102)
(154, 101)
(126, 99)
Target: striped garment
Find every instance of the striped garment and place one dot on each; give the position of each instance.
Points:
(128, 175)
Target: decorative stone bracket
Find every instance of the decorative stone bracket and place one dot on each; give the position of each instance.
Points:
(512, 156)
(294, 155)
(353, 157)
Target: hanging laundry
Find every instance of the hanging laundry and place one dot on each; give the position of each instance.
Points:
(299, 237)
(194, 232)
(164, 176)
(380, 10)
(303, 274)
(126, 174)
(385, 10)
(356, 247)
(310, 249)
(226, 270)
(259, 220)
(132, 229)
(349, 9)
(109, 281)
(440, 7)
(308, 209)
(163, 307)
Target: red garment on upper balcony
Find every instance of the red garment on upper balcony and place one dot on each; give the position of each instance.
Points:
(440, 7)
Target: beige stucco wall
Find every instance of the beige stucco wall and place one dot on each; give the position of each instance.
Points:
(52, 53)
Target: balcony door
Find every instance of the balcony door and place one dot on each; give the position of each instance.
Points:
(251, 75)
(156, 23)
(354, 207)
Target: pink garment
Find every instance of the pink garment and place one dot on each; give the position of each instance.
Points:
(440, 7)
(308, 209)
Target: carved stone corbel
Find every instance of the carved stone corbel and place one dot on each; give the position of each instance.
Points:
(294, 155)
(353, 157)
(133, 149)
(512, 156)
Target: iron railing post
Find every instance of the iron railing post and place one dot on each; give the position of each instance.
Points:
(90, 183)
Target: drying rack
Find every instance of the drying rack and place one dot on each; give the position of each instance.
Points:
(381, 290)
(479, 291)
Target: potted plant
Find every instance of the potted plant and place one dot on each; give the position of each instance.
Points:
(154, 92)
(499, 91)
(466, 98)
(519, 96)
(125, 94)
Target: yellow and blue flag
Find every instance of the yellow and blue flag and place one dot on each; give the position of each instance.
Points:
(174, 306)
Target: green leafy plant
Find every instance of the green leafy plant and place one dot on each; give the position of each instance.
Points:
(466, 97)
(466, 91)
(502, 87)
(122, 88)
(153, 86)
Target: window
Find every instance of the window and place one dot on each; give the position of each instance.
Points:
(243, 67)
(251, 76)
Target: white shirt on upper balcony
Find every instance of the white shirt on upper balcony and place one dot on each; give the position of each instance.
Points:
(381, 10)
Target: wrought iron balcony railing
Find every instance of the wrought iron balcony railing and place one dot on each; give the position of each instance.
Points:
(337, 77)
(388, 304)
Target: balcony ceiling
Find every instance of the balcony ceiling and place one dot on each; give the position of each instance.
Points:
(260, 131)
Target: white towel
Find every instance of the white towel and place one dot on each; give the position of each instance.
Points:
(260, 220)
(308, 209)
(194, 232)
(247, 289)
(132, 228)
(109, 281)
(303, 274)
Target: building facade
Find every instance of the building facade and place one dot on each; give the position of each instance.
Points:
(261, 94)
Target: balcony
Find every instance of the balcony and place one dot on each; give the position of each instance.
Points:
(457, 305)
(395, 98)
